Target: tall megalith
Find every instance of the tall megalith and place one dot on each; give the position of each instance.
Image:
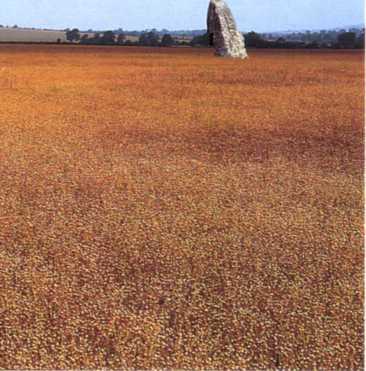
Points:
(222, 31)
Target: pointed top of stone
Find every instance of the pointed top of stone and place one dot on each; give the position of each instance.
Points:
(217, 2)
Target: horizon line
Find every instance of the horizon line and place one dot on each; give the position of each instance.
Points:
(359, 25)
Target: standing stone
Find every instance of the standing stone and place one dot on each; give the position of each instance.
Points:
(222, 31)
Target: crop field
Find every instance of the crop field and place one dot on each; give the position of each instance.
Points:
(164, 208)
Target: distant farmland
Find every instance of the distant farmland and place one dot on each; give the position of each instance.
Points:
(29, 35)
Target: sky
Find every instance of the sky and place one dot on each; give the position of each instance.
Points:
(258, 15)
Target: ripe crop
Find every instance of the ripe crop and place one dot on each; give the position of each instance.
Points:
(163, 208)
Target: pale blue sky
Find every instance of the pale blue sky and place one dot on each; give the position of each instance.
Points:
(258, 15)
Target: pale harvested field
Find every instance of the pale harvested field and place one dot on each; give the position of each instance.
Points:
(29, 35)
(168, 209)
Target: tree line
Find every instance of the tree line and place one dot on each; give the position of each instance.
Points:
(352, 39)
(150, 38)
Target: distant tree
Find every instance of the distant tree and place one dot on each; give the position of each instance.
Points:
(143, 38)
(121, 38)
(201, 40)
(73, 35)
(325, 45)
(150, 38)
(347, 39)
(183, 43)
(253, 39)
(313, 45)
(167, 40)
(360, 42)
(108, 38)
(15, 26)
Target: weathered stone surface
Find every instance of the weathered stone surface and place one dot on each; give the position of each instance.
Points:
(222, 30)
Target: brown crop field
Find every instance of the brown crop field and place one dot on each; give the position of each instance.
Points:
(164, 208)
